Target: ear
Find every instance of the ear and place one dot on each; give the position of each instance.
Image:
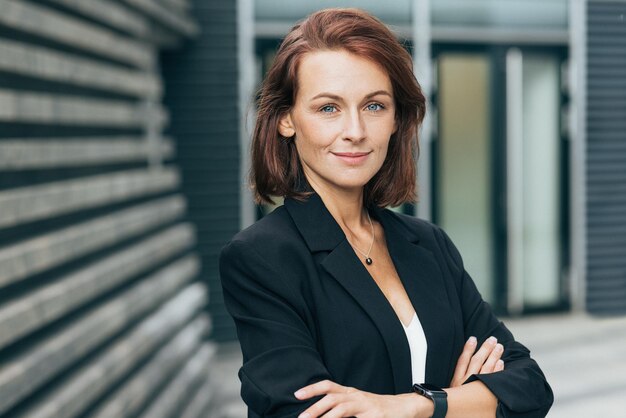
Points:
(395, 126)
(285, 126)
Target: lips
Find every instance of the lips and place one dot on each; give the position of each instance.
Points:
(352, 158)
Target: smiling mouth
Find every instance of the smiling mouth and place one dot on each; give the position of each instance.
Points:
(351, 158)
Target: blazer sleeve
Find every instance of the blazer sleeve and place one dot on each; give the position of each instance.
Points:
(521, 388)
(279, 352)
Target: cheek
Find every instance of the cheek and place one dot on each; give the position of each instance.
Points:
(311, 150)
(382, 127)
(383, 139)
(382, 149)
(314, 138)
(382, 154)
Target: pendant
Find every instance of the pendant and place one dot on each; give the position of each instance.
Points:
(368, 261)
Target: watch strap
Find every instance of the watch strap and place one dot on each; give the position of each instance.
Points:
(435, 394)
(441, 406)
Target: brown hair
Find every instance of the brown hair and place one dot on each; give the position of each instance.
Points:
(276, 168)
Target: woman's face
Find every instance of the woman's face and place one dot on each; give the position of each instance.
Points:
(342, 118)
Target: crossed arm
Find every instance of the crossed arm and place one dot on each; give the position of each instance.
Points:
(272, 335)
(464, 401)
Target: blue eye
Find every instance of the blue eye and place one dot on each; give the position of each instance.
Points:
(328, 109)
(375, 107)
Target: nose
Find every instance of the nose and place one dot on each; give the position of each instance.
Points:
(354, 129)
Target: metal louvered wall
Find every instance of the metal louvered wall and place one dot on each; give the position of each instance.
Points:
(101, 310)
(207, 129)
(606, 156)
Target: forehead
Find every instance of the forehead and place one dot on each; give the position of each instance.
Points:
(340, 72)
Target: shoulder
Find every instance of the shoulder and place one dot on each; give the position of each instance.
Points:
(415, 229)
(270, 236)
(275, 225)
(428, 235)
(421, 228)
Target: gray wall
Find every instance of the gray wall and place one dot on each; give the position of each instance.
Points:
(202, 91)
(606, 157)
(102, 312)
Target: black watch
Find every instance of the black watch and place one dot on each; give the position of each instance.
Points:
(435, 394)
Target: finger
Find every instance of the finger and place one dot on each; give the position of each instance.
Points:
(499, 366)
(464, 359)
(322, 406)
(344, 409)
(320, 388)
(481, 356)
(490, 363)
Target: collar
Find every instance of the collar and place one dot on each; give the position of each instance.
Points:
(321, 231)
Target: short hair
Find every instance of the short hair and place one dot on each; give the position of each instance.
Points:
(275, 167)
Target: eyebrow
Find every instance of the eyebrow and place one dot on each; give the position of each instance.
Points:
(335, 97)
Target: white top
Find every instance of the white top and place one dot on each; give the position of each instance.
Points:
(417, 343)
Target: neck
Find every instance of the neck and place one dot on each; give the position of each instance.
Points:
(346, 206)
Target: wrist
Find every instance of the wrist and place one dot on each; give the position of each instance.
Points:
(435, 394)
(419, 406)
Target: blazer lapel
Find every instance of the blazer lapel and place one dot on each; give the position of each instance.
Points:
(322, 233)
(424, 283)
(416, 268)
(344, 265)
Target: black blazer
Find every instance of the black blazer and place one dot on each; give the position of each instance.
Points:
(306, 309)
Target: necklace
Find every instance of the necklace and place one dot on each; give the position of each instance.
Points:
(368, 259)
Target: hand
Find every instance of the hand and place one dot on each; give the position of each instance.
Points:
(344, 401)
(486, 360)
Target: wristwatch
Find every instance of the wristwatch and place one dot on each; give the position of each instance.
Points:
(435, 394)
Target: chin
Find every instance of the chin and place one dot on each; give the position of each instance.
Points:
(351, 185)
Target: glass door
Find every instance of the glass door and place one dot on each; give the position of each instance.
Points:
(533, 179)
(498, 171)
(463, 167)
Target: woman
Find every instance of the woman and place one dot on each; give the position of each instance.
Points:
(341, 306)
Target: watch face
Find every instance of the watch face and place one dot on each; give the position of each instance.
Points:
(428, 389)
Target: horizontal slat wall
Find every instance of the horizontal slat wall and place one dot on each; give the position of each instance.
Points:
(70, 32)
(207, 129)
(38, 153)
(102, 310)
(43, 108)
(606, 157)
(50, 65)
